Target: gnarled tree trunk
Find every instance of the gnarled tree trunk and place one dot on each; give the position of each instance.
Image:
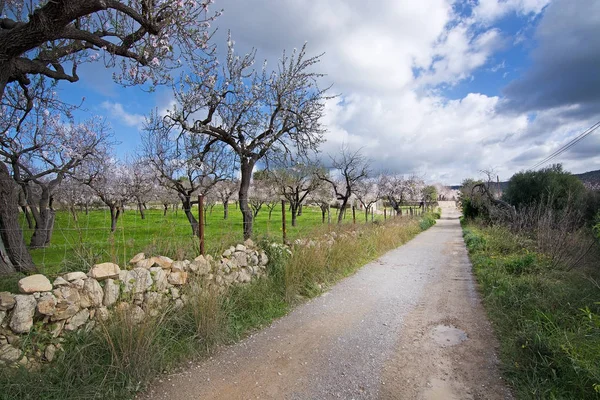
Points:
(44, 220)
(14, 256)
(115, 213)
(246, 172)
(342, 209)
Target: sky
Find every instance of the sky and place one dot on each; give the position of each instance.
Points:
(440, 88)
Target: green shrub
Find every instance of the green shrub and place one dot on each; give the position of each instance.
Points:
(552, 185)
(427, 221)
(521, 264)
(474, 241)
(547, 319)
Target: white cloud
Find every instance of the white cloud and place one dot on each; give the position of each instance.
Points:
(488, 11)
(458, 53)
(388, 60)
(116, 111)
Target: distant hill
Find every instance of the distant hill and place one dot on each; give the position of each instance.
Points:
(591, 178)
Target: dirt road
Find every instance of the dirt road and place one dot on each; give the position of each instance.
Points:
(406, 326)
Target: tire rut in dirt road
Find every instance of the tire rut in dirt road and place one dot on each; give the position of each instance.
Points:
(371, 336)
(446, 349)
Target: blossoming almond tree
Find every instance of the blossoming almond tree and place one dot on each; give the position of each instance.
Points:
(186, 164)
(398, 190)
(368, 192)
(348, 169)
(253, 112)
(110, 180)
(52, 38)
(42, 39)
(295, 181)
(42, 155)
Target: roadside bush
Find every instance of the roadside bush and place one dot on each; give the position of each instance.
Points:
(427, 221)
(474, 241)
(550, 185)
(547, 319)
(521, 264)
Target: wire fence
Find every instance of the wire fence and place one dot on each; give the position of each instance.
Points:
(82, 238)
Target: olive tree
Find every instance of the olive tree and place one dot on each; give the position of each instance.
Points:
(254, 112)
(429, 196)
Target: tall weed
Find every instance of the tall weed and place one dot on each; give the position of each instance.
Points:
(544, 317)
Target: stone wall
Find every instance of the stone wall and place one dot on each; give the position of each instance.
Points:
(78, 300)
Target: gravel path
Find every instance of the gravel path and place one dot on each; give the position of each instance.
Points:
(406, 326)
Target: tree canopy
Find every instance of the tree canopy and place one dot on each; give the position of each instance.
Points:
(551, 185)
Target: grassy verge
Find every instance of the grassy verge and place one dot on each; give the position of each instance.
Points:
(120, 358)
(547, 319)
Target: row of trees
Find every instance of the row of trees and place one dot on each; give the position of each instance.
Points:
(43, 42)
(228, 116)
(115, 184)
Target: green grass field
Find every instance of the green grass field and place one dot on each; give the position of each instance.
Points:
(78, 244)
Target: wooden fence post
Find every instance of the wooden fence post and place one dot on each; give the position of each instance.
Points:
(201, 222)
(353, 214)
(384, 213)
(283, 221)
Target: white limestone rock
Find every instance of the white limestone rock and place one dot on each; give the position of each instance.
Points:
(77, 320)
(104, 271)
(137, 258)
(7, 301)
(22, 315)
(60, 281)
(9, 354)
(112, 290)
(67, 303)
(71, 276)
(177, 278)
(91, 294)
(34, 283)
(159, 276)
(46, 304)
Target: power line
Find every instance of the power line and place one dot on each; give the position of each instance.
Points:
(567, 146)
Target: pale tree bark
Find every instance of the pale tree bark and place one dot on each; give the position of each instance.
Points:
(44, 217)
(14, 256)
(247, 216)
